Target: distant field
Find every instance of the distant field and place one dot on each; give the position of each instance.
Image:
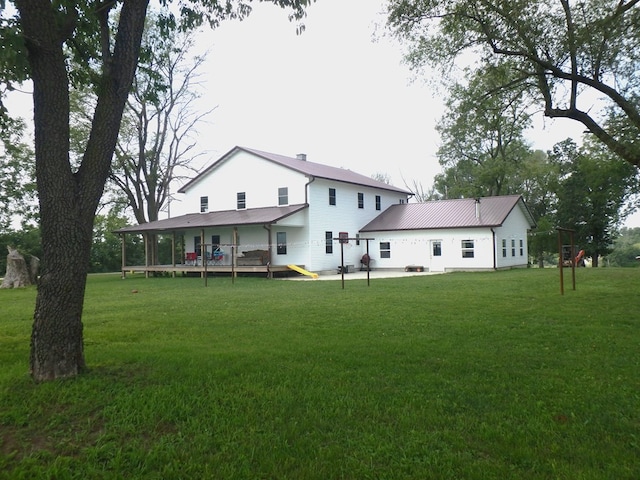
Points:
(457, 376)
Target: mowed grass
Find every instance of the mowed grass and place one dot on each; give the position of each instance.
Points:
(458, 376)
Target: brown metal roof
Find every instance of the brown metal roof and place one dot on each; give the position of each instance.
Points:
(305, 167)
(252, 216)
(439, 214)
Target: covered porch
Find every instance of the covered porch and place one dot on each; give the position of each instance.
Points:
(213, 257)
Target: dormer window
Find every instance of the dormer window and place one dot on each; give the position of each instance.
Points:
(242, 200)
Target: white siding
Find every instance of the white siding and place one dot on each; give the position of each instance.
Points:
(512, 231)
(344, 216)
(413, 247)
(242, 172)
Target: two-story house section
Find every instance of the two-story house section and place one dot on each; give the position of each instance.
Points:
(273, 209)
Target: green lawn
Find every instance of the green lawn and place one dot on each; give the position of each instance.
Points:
(459, 376)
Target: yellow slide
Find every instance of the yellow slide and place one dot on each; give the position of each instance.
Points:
(302, 271)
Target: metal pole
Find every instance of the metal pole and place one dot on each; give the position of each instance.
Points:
(342, 262)
(368, 263)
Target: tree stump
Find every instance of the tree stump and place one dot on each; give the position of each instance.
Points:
(17, 272)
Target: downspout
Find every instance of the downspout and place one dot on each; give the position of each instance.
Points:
(306, 189)
(495, 260)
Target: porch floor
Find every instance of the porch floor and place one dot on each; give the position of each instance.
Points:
(213, 269)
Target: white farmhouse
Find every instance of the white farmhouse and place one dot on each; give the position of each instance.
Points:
(253, 211)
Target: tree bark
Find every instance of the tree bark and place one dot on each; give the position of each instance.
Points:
(68, 199)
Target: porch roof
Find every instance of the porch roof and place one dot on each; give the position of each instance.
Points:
(226, 218)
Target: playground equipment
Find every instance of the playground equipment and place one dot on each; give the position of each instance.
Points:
(302, 271)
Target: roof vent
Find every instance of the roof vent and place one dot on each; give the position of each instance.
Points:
(302, 156)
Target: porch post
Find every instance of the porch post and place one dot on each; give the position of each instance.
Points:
(123, 255)
(145, 236)
(173, 253)
(203, 252)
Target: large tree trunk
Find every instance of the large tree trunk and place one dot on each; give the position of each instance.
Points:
(68, 199)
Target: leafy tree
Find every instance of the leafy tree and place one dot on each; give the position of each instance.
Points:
(17, 186)
(106, 251)
(626, 249)
(576, 60)
(483, 147)
(57, 44)
(593, 189)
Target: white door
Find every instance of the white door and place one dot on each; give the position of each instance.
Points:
(436, 263)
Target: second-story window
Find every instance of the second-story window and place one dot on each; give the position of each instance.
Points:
(242, 200)
(283, 196)
(204, 204)
(332, 196)
(378, 202)
(360, 200)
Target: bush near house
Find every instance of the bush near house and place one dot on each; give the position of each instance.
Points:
(467, 375)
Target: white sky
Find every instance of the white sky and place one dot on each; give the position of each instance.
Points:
(332, 92)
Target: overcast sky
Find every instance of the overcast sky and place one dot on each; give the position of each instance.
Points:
(338, 92)
(333, 92)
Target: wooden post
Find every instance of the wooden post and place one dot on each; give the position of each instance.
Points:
(571, 255)
(124, 255)
(173, 253)
(202, 251)
(146, 255)
(233, 254)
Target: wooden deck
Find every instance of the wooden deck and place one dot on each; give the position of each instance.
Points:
(200, 269)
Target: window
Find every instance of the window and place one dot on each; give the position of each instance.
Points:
(513, 247)
(521, 248)
(281, 241)
(283, 196)
(385, 250)
(378, 202)
(328, 239)
(343, 236)
(332, 196)
(360, 200)
(357, 239)
(242, 200)
(215, 242)
(467, 249)
(204, 204)
(437, 248)
(504, 248)
(196, 245)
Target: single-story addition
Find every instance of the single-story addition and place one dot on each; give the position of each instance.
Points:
(259, 212)
(486, 233)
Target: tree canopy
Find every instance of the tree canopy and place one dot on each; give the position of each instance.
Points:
(576, 60)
